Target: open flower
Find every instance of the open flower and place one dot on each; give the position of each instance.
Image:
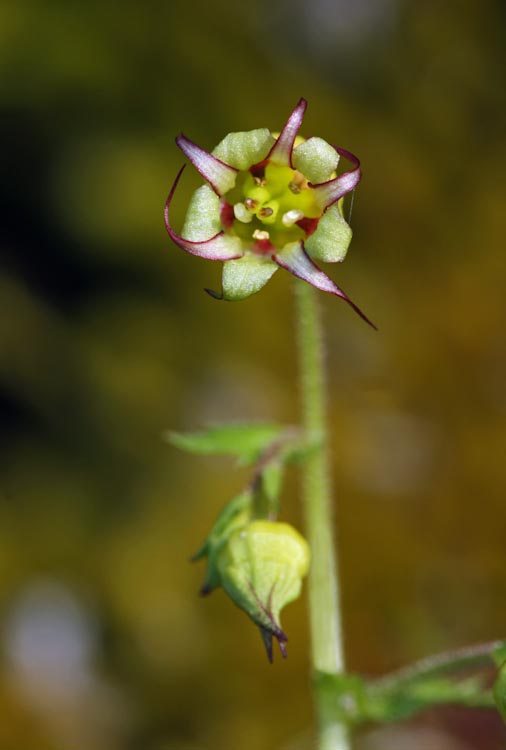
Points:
(269, 202)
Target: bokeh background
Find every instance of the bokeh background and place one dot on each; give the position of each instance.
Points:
(106, 340)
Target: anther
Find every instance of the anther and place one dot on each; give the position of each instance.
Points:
(292, 217)
(265, 212)
(241, 213)
(260, 181)
(250, 204)
(261, 234)
(297, 183)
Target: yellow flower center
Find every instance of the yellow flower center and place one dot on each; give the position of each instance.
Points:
(268, 204)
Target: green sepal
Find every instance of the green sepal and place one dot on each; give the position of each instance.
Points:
(246, 441)
(330, 242)
(202, 219)
(243, 277)
(242, 150)
(235, 515)
(316, 159)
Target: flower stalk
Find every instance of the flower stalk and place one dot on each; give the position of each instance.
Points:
(327, 653)
(276, 201)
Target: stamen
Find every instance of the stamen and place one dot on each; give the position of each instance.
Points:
(250, 204)
(241, 213)
(261, 234)
(260, 181)
(265, 212)
(292, 217)
(297, 183)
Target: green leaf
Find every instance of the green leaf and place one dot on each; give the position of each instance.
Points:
(499, 653)
(499, 691)
(352, 700)
(246, 441)
(403, 701)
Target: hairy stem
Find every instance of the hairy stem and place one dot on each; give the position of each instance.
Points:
(465, 658)
(324, 596)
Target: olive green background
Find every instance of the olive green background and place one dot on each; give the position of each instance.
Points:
(107, 339)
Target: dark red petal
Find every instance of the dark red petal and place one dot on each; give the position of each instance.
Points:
(219, 247)
(281, 152)
(219, 175)
(226, 215)
(308, 226)
(295, 260)
(213, 294)
(327, 193)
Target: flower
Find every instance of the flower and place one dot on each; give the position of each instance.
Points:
(268, 202)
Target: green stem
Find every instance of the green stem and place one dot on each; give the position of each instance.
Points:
(324, 596)
(469, 657)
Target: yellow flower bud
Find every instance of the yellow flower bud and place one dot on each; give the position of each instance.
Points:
(261, 567)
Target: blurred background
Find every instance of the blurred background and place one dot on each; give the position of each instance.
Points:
(107, 339)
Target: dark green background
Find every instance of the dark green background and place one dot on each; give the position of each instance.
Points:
(106, 339)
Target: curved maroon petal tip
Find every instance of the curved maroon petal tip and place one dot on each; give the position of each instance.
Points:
(298, 263)
(268, 635)
(267, 639)
(205, 589)
(218, 247)
(219, 175)
(282, 149)
(213, 294)
(327, 193)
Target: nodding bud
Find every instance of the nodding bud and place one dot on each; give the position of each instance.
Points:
(261, 567)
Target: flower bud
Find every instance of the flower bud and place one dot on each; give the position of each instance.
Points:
(261, 567)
